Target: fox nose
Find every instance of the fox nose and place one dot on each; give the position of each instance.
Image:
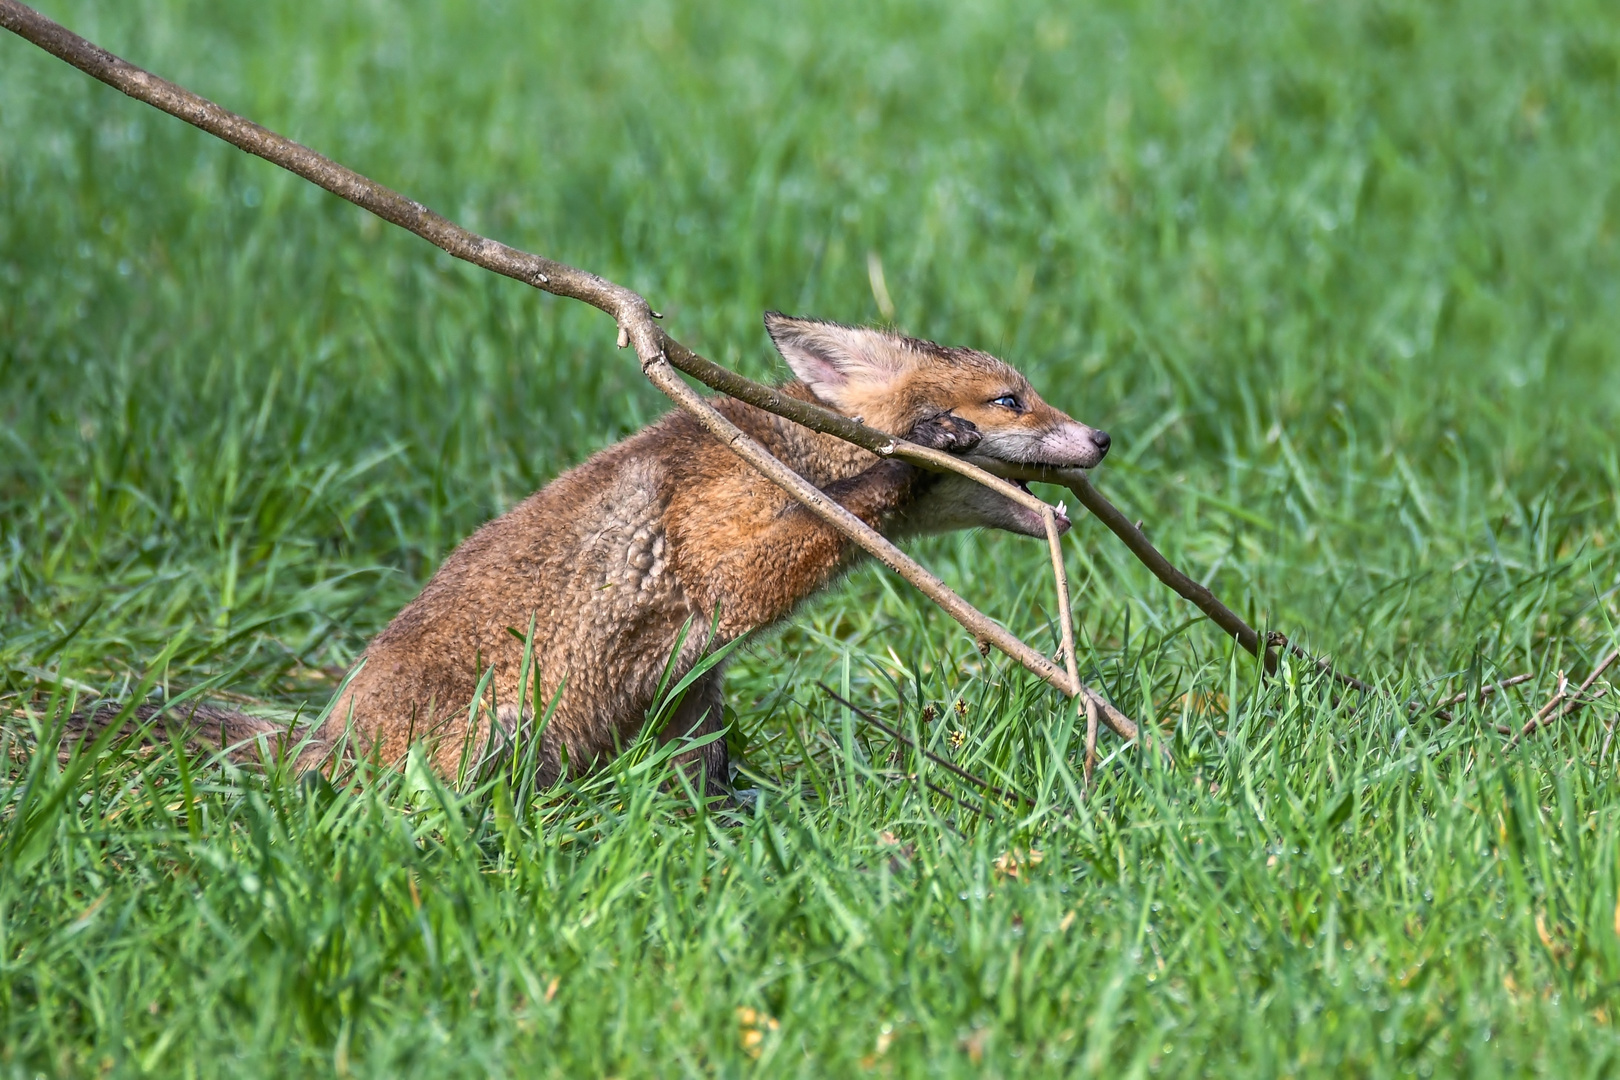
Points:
(1103, 441)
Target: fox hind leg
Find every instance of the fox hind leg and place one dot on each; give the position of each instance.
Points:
(699, 713)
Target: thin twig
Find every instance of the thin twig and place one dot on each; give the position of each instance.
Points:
(1090, 763)
(1552, 703)
(1572, 704)
(1326, 667)
(1442, 709)
(1576, 701)
(1131, 533)
(943, 762)
(960, 800)
(1061, 579)
(1066, 621)
(635, 318)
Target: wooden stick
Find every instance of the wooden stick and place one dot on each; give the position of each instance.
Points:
(1061, 580)
(1482, 693)
(1276, 639)
(1552, 703)
(1574, 705)
(1066, 627)
(635, 318)
(1090, 763)
(1442, 709)
(1576, 701)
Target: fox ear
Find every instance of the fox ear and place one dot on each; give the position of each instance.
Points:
(832, 359)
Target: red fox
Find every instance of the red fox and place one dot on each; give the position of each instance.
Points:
(667, 543)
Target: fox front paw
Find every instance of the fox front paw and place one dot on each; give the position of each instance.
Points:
(947, 432)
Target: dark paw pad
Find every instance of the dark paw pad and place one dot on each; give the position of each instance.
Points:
(945, 432)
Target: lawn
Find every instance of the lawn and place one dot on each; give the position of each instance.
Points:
(1341, 279)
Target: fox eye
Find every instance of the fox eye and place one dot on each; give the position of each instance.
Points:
(1009, 401)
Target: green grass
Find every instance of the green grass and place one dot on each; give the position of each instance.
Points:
(1343, 280)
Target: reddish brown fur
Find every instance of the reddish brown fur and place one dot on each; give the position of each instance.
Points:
(669, 529)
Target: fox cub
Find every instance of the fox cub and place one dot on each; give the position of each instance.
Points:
(668, 530)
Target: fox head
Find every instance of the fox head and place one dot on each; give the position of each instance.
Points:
(890, 382)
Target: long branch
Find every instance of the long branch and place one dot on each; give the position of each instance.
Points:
(656, 350)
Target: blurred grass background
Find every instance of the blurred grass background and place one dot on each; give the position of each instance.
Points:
(1341, 279)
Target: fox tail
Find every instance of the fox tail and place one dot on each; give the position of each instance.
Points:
(244, 738)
